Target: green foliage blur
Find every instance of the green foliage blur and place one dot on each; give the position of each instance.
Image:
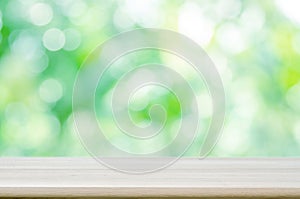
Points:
(254, 44)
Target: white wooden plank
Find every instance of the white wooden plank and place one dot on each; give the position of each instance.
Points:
(81, 177)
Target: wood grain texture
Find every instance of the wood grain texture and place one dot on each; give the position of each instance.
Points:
(84, 177)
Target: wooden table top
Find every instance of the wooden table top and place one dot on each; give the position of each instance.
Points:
(188, 177)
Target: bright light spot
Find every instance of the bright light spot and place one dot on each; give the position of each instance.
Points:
(54, 39)
(50, 90)
(26, 45)
(39, 132)
(145, 13)
(92, 20)
(76, 8)
(73, 39)
(228, 8)
(40, 14)
(193, 24)
(290, 8)
(235, 137)
(252, 19)
(122, 20)
(246, 104)
(231, 39)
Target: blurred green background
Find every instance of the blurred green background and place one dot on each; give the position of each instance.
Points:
(254, 44)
